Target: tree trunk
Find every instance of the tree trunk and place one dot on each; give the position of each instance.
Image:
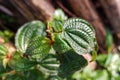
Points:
(112, 11)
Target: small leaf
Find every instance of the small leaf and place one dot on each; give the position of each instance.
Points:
(2, 69)
(27, 32)
(80, 35)
(50, 64)
(38, 48)
(59, 15)
(71, 62)
(57, 26)
(20, 63)
(94, 56)
(60, 45)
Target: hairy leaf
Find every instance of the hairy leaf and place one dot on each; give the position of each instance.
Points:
(71, 62)
(38, 48)
(80, 35)
(27, 32)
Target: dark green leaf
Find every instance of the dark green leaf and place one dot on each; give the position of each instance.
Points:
(80, 35)
(54, 77)
(38, 48)
(20, 63)
(49, 64)
(34, 74)
(27, 32)
(16, 77)
(71, 62)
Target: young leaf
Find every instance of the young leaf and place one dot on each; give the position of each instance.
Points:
(38, 48)
(80, 35)
(60, 45)
(20, 63)
(71, 62)
(27, 32)
(59, 15)
(57, 26)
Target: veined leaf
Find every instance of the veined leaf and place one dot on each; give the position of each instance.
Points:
(20, 63)
(49, 64)
(60, 45)
(27, 32)
(3, 50)
(80, 35)
(71, 62)
(38, 48)
(57, 26)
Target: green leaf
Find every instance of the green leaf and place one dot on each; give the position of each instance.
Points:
(109, 40)
(59, 15)
(71, 62)
(2, 69)
(50, 64)
(20, 63)
(3, 50)
(38, 48)
(54, 77)
(80, 35)
(60, 45)
(57, 26)
(27, 32)
(34, 74)
(16, 77)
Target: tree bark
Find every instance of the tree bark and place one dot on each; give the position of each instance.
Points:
(34, 9)
(112, 11)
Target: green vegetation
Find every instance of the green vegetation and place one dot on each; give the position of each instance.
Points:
(49, 52)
